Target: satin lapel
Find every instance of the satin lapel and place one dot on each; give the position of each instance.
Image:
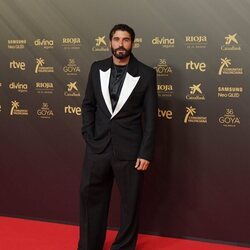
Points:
(104, 78)
(127, 88)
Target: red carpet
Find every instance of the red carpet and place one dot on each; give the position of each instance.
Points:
(20, 234)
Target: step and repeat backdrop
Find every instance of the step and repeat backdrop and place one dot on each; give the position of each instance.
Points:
(198, 184)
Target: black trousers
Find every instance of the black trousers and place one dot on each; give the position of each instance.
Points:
(99, 171)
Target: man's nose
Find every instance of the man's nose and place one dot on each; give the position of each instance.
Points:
(120, 43)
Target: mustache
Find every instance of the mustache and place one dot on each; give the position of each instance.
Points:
(120, 48)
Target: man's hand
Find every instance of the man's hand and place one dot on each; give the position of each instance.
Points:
(141, 164)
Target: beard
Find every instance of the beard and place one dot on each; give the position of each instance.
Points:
(121, 55)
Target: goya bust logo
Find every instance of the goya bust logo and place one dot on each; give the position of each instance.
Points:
(45, 111)
(163, 69)
(229, 119)
(71, 68)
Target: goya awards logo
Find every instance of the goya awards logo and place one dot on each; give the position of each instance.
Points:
(164, 42)
(229, 92)
(167, 114)
(19, 65)
(44, 87)
(191, 118)
(137, 42)
(100, 44)
(199, 66)
(71, 68)
(46, 44)
(225, 69)
(45, 112)
(196, 42)
(72, 110)
(16, 44)
(165, 89)
(195, 92)
(19, 87)
(15, 109)
(163, 69)
(71, 43)
(40, 68)
(229, 119)
(72, 89)
(231, 43)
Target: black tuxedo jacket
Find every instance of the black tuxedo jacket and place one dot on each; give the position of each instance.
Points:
(130, 127)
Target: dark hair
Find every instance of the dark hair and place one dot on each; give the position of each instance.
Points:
(123, 27)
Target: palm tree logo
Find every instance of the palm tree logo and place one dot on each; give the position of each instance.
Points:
(15, 105)
(39, 63)
(190, 111)
(224, 63)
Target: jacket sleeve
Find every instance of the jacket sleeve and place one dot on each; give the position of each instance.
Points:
(88, 109)
(149, 119)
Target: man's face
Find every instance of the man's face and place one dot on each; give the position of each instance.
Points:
(121, 44)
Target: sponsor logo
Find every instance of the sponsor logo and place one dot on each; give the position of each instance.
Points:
(46, 44)
(163, 69)
(16, 44)
(229, 119)
(191, 118)
(72, 110)
(45, 112)
(196, 42)
(17, 65)
(200, 66)
(44, 87)
(71, 43)
(165, 89)
(167, 114)
(231, 43)
(229, 92)
(72, 89)
(20, 87)
(15, 110)
(164, 42)
(195, 93)
(71, 68)
(137, 42)
(225, 69)
(100, 44)
(40, 68)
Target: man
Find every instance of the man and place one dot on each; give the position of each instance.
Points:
(119, 113)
